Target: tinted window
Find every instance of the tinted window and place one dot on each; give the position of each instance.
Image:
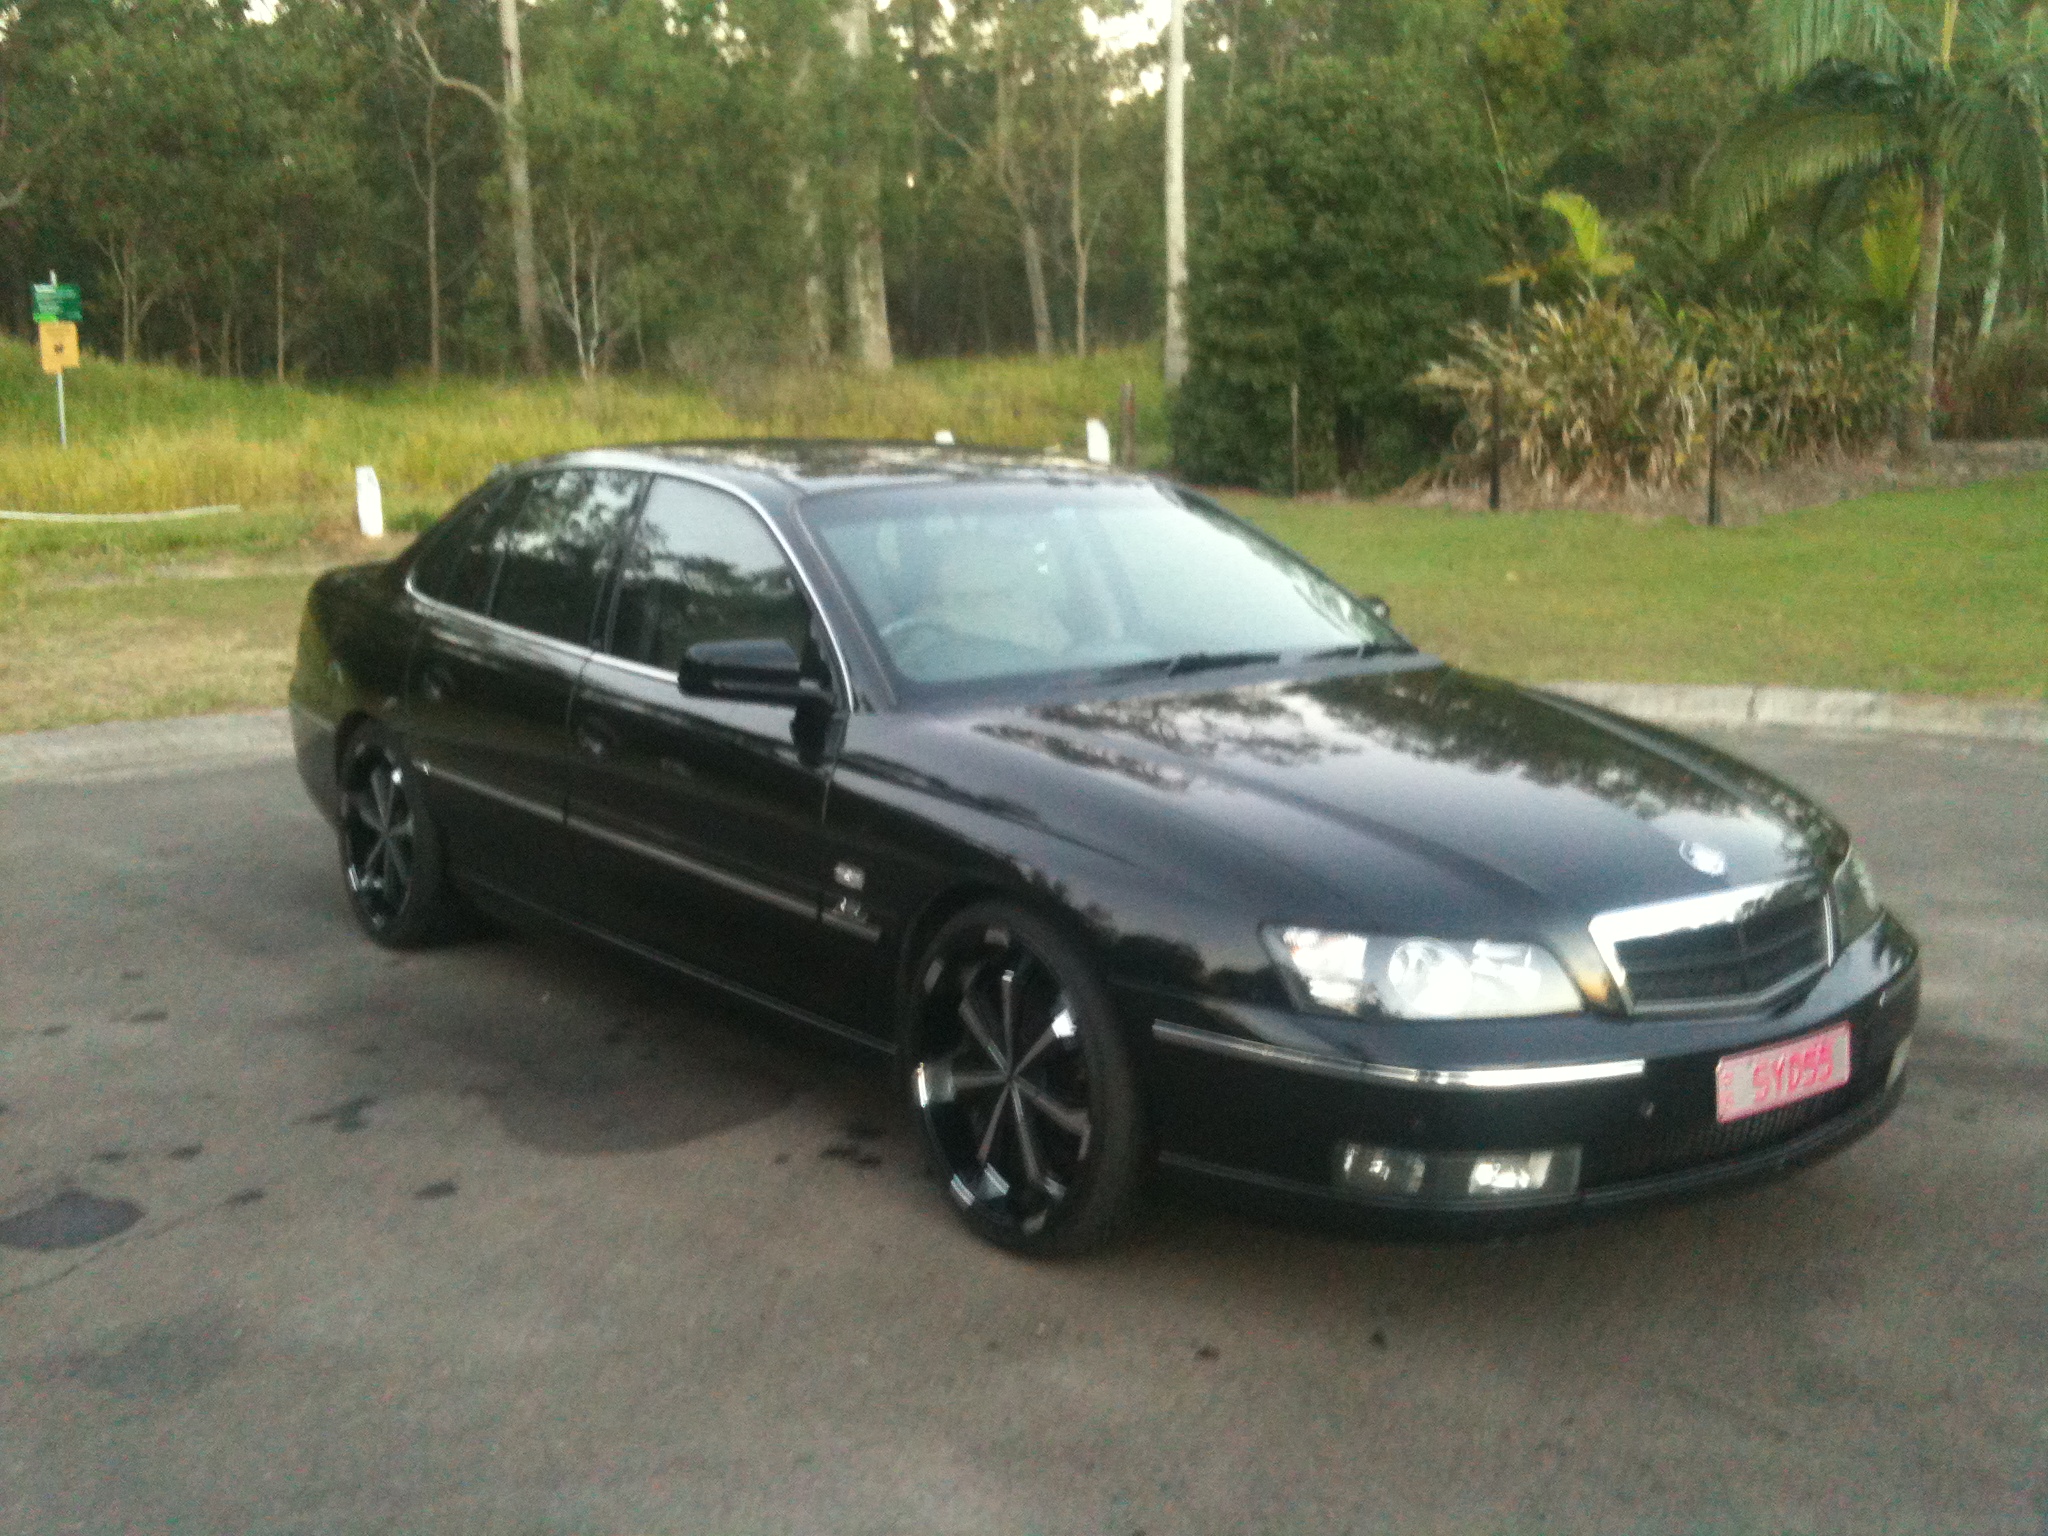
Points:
(702, 567)
(457, 560)
(552, 548)
(971, 583)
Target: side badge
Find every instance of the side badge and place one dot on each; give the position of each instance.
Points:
(1708, 861)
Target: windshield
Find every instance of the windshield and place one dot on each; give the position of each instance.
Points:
(977, 583)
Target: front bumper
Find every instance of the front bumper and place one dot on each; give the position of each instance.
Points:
(1266, 1098)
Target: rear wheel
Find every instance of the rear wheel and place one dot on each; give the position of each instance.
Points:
(1022, 1084)
(391, 849)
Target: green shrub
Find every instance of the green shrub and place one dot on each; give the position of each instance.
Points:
(1603, 395)
(2001, 388)
(1339, 236)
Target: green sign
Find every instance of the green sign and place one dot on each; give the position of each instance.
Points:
(57, 301)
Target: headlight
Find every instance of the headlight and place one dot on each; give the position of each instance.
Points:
(1855, 898)
(1421, 978)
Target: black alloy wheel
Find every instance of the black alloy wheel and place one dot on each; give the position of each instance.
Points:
(1022, 1084)
(390, 848)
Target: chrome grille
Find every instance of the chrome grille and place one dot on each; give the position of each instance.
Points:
(1724, 949)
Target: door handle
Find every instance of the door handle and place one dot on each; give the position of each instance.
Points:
(436, 684)
(594, 740)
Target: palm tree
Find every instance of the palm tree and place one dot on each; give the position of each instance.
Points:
(1940, 98)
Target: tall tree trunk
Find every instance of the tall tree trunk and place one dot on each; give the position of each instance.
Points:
(1176, 340)
(1916, 426)
(519, 189)
(867, 294)
(278, 295)
(1034, 281)
(1078, 232)
(1987, 318)
(430, 197)
(808, 211)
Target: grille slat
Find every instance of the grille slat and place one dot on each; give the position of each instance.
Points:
(1727, 960)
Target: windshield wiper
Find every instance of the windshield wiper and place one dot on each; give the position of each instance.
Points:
(1361, 650)
(1189, 661)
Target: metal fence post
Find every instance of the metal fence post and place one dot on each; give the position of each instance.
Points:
(1493, 436)
(1294, 436)
(1127, 419)
(1714, 457)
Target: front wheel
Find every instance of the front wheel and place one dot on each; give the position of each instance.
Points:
(1022, 1084)
(390, 848)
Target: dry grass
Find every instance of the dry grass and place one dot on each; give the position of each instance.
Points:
(137, 650)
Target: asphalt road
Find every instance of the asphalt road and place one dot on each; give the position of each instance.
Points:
(511, 1238)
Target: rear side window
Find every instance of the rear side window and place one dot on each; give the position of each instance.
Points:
(456, 563)
(553, 550)
(702, 566)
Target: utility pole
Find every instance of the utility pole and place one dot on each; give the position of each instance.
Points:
(1176, 199)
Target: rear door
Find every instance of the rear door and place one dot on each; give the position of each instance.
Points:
(494, 668)
(700, 820)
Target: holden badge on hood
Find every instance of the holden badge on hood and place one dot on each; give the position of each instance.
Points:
(1708, 861)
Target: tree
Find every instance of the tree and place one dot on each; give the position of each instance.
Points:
(1952, 100)
(508, 107)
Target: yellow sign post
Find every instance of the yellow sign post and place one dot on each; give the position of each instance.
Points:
(60, 345)
(58, 312)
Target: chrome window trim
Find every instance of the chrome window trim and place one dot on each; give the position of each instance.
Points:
(1454, 1078)
(567, 648)
(636, 668)
(1713, 909)
(697, 867)
(518, 802)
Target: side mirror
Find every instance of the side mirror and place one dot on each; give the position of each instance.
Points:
(753, 671)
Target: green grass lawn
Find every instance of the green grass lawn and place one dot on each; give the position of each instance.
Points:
(1912, 592)
(1939, 591)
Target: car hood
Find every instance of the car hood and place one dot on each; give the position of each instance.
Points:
(1384, 789)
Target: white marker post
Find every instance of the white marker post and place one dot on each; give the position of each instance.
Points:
(1098, 442)
(369, 503)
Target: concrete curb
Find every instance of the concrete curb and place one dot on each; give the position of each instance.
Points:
(135, 749)
(1833, 709)
(139, 749)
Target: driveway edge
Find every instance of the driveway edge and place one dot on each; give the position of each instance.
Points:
(1834, 709)
(134, 749)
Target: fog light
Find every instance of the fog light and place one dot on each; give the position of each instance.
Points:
(1524, 1173)
(1381, 1170)
(1458, 1178)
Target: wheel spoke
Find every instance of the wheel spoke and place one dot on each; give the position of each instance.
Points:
(976, 1019)
(380, 789)
(398, 843)
(1027, 1143)
(1009, 994)
(1061, 1028)
(995, 1124)
(1073, 1119)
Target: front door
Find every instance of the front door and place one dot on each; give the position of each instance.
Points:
(699, 822)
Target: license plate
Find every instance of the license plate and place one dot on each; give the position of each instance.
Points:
(1785, 1073)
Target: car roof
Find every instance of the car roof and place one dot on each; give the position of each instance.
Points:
(809, 466)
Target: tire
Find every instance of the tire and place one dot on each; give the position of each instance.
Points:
(391, 854)
(1044, 1156)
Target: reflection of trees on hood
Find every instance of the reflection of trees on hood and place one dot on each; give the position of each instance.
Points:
(1494, 727)
(1268, 725)
(1440, 716)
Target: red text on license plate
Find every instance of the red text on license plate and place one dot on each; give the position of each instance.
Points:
(1784, 1073)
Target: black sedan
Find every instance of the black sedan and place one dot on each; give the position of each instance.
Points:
(1133, 838)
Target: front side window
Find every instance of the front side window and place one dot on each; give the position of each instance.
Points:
(552, 550)
(702, 566)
